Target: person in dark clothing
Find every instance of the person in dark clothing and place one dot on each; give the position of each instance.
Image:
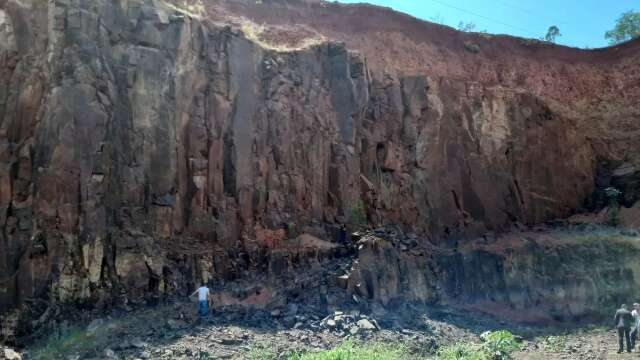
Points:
(623, 322)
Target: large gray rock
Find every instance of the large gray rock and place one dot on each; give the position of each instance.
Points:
(10, 354)
(365, 324)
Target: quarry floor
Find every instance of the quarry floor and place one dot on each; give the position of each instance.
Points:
(174, 332)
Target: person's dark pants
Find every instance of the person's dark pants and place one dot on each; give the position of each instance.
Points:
(634, 337)
(623, 334)
(203, 308)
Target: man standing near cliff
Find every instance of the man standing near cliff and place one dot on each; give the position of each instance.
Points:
(203, 299)
(623, 321)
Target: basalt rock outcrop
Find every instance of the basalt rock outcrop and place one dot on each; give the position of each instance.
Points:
(541, 276)
(146, 145)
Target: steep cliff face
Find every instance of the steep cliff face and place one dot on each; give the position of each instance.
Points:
(145, 145)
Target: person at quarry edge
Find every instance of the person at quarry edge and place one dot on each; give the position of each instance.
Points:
(636, 324)
(203, 299)
(623, 321)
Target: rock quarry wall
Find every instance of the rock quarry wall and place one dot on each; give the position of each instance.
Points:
(148, 144)
(541, 276)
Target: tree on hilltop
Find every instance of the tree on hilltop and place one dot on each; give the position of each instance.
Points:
(552, 34)
(627, 28)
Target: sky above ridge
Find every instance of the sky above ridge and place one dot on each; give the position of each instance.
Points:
(581, 23)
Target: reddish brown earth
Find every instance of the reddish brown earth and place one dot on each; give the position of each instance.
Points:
(148, 145)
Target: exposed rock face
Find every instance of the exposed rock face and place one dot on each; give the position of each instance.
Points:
(535, 277)
(145, 145)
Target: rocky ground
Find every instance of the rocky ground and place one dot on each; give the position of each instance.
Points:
(173, 331)
(598, 343)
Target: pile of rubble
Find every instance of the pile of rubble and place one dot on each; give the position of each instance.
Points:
(339, 323)
(345, 324)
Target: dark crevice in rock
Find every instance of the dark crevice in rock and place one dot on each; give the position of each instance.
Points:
(228, 170)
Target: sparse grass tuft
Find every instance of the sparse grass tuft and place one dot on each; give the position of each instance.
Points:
(471, 47)
(555, 343)
(358, 215)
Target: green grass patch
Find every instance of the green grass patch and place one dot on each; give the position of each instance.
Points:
(496, 345)
(76, 340)
(259, 353)
(72, 340)
(350, 351)
(462, 352)
(499, 344)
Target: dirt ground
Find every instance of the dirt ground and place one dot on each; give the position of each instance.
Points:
(599, 343)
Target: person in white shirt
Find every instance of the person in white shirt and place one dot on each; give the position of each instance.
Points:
(203, 299)
(636, 324)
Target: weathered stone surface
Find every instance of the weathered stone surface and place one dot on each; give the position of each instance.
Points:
(534, 277)
(147, 145)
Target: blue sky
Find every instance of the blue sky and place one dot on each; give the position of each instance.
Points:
(582, 23)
